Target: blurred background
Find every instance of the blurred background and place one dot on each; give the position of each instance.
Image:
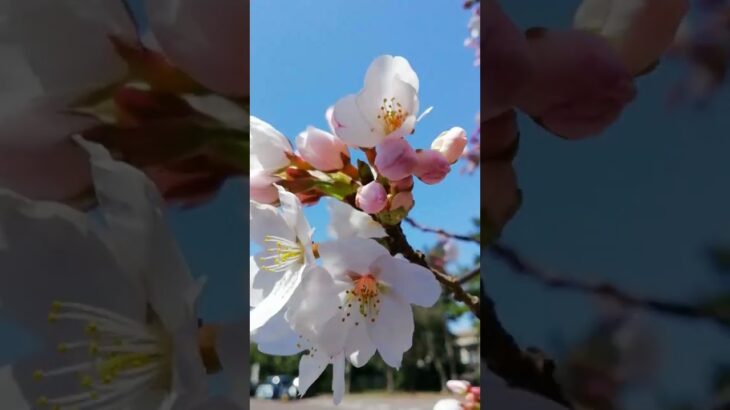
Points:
(305, 55)
(645, 207)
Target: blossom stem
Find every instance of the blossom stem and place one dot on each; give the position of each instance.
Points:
(398, 243)
(529, 370)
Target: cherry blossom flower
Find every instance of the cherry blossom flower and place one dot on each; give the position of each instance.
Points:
(375, 294)
(348, 222)
(43, 76)
(277, 338)
(115, 307)
(52, 82)
(386, 107)
(288, 251)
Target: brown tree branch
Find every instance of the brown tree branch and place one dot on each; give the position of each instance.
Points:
(398, 243)
(522, 267)
(529, 370)
(447, 234)
(470, 275)
(526, 369)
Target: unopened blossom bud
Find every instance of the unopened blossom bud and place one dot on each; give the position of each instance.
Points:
(269, 147)
(371, 198)
(402, 200)
(432, 166)
(321, 149)
(262, 189)
(451, 143)
(458, 386)
(395, 158)
(405, 184)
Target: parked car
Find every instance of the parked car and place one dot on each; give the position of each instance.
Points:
(279, 387)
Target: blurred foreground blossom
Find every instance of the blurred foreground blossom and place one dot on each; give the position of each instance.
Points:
(579, 86)
(115, 307)
(641, 31)
(109, 87)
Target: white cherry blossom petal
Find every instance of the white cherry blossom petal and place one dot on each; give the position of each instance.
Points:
(134, 212)
(311, 366)
(349, 255)
(338, 378)
(277, 338)
(359, 348)
(53, 253)
(392, 332)
(313, 304)
(346, 221)
(265, 220)
(261, 281)
(268, 146)
(414, 283)
(277, 299)
(235, 360)
(352, 126)
(385, 68)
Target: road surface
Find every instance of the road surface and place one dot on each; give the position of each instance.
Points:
(354, 402)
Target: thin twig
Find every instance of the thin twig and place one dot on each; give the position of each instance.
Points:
(470, 275)
(442, 232)
(520, 266)
(399, 244)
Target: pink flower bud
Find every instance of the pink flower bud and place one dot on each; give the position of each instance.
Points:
(262, 189)
(402, 200)
(395, 158)
(432, 166)
(322, 149)
(405, 184)
(371, 198)
(458, 386)
(451, 143)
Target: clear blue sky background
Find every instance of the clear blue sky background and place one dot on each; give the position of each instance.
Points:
(635, 206)
(305, 55)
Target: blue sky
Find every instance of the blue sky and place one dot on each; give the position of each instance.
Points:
(635, 206)
(305, 55)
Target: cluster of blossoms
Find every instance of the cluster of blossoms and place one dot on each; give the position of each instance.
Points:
(572, 82)
(171, 100)
(474, 34)
(471, 397)
(351, 296)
